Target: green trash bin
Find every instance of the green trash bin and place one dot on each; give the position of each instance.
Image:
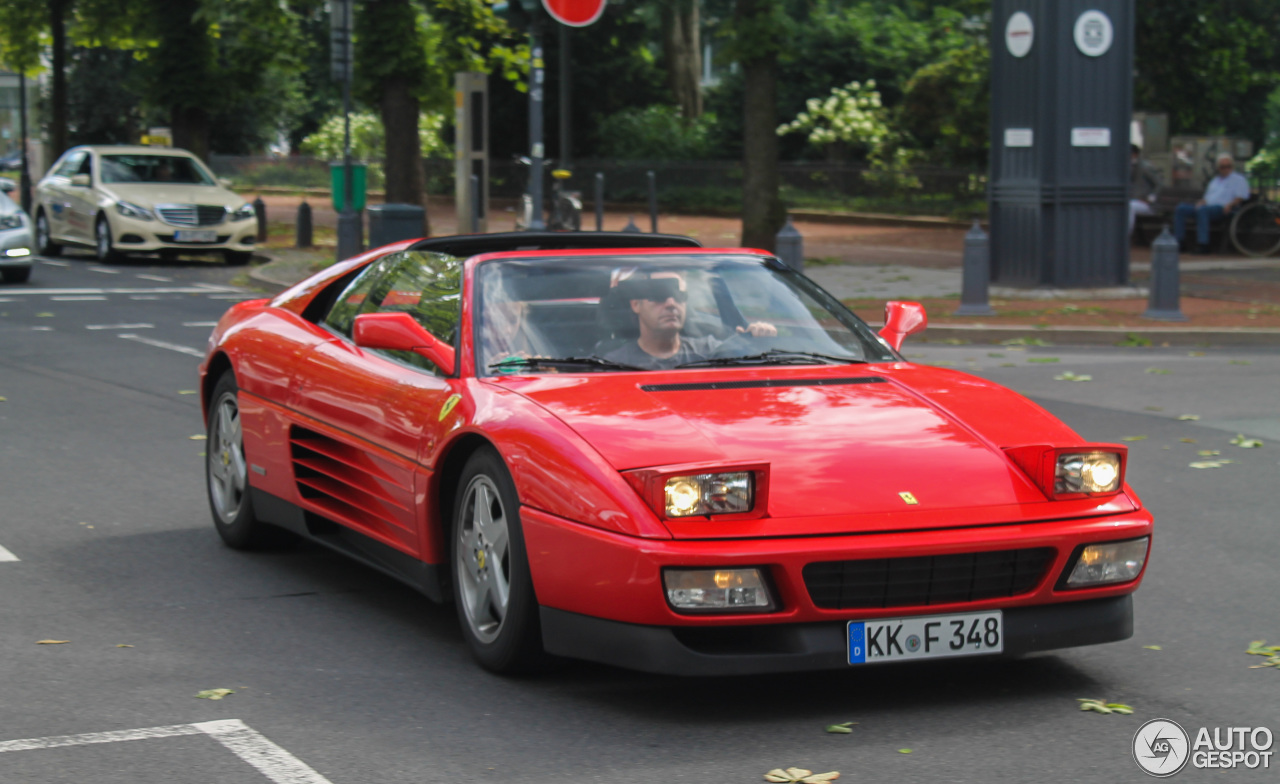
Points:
(337, 184)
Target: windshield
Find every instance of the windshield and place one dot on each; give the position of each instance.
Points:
(665, 312)
(174, 169)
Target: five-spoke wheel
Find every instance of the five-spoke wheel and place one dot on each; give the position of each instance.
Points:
(227, 472)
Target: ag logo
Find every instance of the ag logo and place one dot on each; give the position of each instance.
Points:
(1161, 747)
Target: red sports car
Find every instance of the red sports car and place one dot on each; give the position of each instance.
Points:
(634, 450)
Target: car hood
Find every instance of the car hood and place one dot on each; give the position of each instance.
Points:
(151, 194)
(839, 441)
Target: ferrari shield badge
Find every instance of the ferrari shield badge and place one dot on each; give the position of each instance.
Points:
(448, 406)
(909, 498)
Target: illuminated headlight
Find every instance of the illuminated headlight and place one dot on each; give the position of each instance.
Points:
(134, 211)
(1114, 562)
(717, 589)
(707, 494)
(243, 212)
(1091, 472)
(11, 252)
(11, 221)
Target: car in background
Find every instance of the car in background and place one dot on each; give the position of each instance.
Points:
(479, 417)
(15, 241)
(11, 161)
(121, 199)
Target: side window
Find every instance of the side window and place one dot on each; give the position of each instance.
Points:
(427, 286)
(71, 164)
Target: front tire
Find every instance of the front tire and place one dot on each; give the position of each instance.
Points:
(492, 586)
(236, 258)
(16, 274)
(44, 238)
(103, 245)
(227, 472)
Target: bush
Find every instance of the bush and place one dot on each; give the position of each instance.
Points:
(655, 133)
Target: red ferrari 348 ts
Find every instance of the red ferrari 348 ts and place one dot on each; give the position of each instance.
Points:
(634, 450)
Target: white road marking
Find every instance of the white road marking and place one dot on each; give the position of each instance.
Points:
(42, 329)
(6, 555)
(242, 740)
(119, 326)
(203, 289)
(7, 299)
(195, 352)
(104, 270)
(88, 298)
(55, 263)
(144, 296)
(199, 323)
(159, 278)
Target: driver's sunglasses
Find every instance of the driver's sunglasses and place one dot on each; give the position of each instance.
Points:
(678, 295)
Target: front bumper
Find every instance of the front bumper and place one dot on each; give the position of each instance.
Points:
(745, 650)
(132, 235)
(14, 239)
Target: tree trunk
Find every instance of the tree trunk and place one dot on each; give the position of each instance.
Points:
(762, 210)
(405, 181)
(190, 129)
(682, 51)
(58, 111)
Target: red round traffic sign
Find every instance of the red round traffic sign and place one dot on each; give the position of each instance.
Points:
(575, 13)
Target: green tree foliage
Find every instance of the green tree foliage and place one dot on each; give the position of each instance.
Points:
(1211, 66)
(655, 132)
(946, 108)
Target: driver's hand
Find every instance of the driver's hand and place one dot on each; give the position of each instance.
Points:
(759, 329)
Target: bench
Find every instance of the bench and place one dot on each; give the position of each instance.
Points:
(1147, 227)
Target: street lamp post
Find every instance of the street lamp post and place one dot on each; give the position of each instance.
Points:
(24, 181)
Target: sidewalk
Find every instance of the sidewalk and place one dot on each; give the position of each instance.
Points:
(1228, 300)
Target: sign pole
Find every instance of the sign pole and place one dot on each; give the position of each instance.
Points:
(350, 226)
(537, 150)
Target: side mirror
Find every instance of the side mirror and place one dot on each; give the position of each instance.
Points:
(80, 180)
(400, 332)
(225, 182)
(902, 319)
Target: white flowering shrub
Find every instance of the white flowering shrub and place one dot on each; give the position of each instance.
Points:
(852, 114)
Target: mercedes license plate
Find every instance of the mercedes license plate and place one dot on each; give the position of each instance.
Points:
(926, 637)
(195, 235)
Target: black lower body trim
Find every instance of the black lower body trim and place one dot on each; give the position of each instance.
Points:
(418, 575)
(744, 650)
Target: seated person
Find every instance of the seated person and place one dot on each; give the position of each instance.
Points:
(659, 303)
(1224, 193)
(503, 334)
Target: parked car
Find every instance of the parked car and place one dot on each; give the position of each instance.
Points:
(485, 419)
(119, 199)
(15, 241)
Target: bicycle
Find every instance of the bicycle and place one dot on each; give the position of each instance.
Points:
(1255, 228)
(564, 213)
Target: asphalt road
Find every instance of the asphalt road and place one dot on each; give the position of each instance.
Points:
(344, 676)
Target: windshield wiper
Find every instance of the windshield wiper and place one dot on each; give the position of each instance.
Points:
(591, 361)
(776, 356)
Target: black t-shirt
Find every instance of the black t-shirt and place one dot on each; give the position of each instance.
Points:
(691, 350)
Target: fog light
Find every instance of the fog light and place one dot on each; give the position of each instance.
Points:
(1092, 472)
(1114, 562)
(727, 590)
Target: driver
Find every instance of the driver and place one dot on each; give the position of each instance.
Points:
(659, 302)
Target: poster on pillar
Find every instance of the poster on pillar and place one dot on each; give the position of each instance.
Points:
(574, 13)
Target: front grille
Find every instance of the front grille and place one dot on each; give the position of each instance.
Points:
(192, 214)
(930, 579)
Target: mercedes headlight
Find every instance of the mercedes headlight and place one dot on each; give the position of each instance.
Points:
(11, 221)
(134, 211)
(243, 212)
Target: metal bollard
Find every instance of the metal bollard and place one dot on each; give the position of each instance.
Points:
(974, 298)
(599, 201)
(1162, 305)
(302, 228)
(790, 246)
(260, 211)
(631, 227)
(475, 204)
(350, 234)
(653, 202)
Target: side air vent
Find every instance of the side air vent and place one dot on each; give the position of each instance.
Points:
(350, 485)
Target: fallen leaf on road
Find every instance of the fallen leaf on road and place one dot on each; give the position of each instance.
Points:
(52, 642)
(1070, 376)
(799, 775)
(1239, 362)
(995, 355)
(1260, 648)
(1158, 371)
(1100, 706)
(904, 751)
(1043, 360)
(188, 392)
(1188, 417)
(1134, 438)
(44, 315)
(1206, 464)
(841, 728)
(1187, 440)
(214, 694)
(1153, 647)
(3, 399)
(1246, 443)
(1007, 364)
(1153, 408)
(199, 437)
(122, 645)
(1195, 353)
(1208, 452)
(1026, 342)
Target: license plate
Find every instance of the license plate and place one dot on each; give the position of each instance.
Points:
(925, 637)
(195, 235)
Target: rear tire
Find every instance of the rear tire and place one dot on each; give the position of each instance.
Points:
(1255, 229)
(45, 245)
(492, 586)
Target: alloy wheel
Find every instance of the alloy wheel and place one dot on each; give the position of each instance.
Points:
(228, 471)
(483, 559)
